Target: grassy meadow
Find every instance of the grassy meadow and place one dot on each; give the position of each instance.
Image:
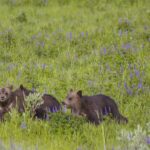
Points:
(97, 46)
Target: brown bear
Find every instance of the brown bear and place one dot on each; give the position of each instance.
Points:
(93, 107)
(10, 99)
(16, 99)
(5, 101)
(48, 104)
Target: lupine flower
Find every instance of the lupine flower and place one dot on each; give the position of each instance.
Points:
(125, 85)
(70, 35)
(79, 148)
(140, 85)
(108, 67)
(129, 91)
(131, 75)
(148, 140)
(23, 125)
(86, 34)
(137, 73)
(82, 34)
(104, 50)
(126, 46)
(43, 66)
(120, 32)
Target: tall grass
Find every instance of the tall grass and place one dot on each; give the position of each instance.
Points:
(97, 46)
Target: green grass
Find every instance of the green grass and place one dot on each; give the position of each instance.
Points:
(96, 46)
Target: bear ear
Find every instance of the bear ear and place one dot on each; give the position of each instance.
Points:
(10, 87)
(71, 90)
(21, 87)
(79, 93)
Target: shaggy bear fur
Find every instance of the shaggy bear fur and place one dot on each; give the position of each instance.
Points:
(10, 99)
(50, 105)
(93, 107)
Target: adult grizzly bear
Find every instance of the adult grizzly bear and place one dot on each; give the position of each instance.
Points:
(93, 107)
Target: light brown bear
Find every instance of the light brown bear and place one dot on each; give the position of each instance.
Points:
(93, 107)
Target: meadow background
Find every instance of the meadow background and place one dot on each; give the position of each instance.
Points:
(98, 46)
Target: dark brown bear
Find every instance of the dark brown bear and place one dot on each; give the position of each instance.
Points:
(16, 99)
(12, 99)
(93, 107)
(19, 96)
(50, 105)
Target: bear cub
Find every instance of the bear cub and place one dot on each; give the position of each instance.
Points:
(12, 99)
(93, 107)
(5, 101)
(49, 103)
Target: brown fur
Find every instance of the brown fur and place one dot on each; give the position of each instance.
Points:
(12, 99)
(50, 105)
(93, 107)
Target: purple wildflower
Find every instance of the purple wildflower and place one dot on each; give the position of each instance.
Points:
(148, 140)
(137, 73)
(70, 35)
(129, 91)
(125, 85)
(86, 34)
(43, 66)
(131, 75)
(82, 34)
(126, 46)
(23, 125)
(108, 67)
(140, 85)
(120, 32)
(104, 50)
(113, 148)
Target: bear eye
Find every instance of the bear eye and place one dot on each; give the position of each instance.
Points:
(70, 98)
(6, 94)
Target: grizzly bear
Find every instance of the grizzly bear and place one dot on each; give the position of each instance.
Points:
(5, 101)
(93, 107)
(50, 105)
(10, 99)
(16, 99)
